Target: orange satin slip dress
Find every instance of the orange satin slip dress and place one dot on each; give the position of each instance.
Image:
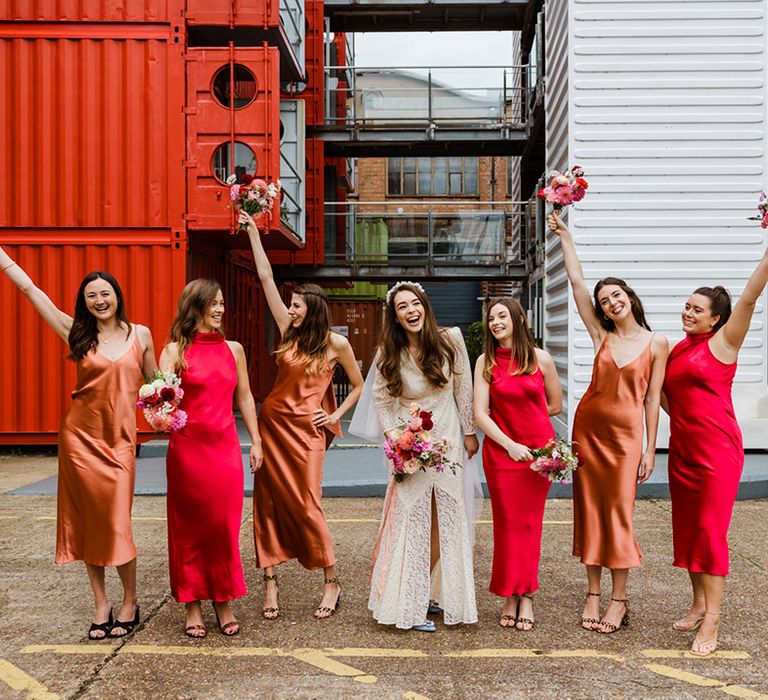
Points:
(97, 461)
(608, 428)
(288, 518)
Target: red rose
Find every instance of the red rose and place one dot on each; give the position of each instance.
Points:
(425, 415)
(152, 400)
(427, 424)
(541, 194)
(246, 179)
(581, 182)
(167, 394)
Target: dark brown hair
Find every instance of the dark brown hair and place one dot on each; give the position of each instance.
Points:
(719, 303)
(637, 306)
(523, 345)
(194, 301)
(84, 334)
(436, 348)
(312, 337)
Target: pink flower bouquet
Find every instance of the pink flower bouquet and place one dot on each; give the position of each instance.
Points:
(411, 447)
(252, 195)
(762, 211)
(556, 461)
(159, 397)
(564, 188)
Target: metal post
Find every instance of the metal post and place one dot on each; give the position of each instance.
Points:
(429, 96)
(503, 111)
(430, 242)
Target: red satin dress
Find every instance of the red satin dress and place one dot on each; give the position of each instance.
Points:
(608, 431)
(97, 461)
(288, 518)
(706, 454)
(205, 479)
(518, 405)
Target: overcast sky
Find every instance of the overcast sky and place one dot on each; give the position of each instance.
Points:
(410, 49)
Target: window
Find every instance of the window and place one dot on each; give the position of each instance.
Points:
(244, 86)
(435, 177)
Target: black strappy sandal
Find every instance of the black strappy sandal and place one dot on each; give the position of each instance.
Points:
(589, 623)
(270, 613)
(127, 626)
(609, 627)
(224, 629)
(105, 627)
(525, 620)
(324, 609)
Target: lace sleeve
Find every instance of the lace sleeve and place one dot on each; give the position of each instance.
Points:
(385, 403)
(462, 383)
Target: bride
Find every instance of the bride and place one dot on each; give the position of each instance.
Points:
(423, 555)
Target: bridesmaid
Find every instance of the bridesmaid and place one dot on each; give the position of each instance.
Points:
(608, 428)
(204, 463)
(706, 456)
(516, 391)
(97, 440)
(299, 420)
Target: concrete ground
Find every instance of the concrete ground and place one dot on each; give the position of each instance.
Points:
(45, 612)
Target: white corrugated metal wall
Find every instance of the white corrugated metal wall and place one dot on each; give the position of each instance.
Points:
(666, 111)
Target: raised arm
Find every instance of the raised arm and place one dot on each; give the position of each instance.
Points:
(50, 313)
(732, 334)
(652, 402)
(575, 272)
(490, 428)
(247, 406)
(264, 270)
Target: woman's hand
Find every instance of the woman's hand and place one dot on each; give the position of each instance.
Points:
(471, 445)
(518, 452)
(321, 418)
(646, 467)
(256, 457)
(556, 225)
(245, 219)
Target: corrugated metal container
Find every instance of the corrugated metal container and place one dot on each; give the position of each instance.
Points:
(456, 303)
(92, 10)
(94, 128)
(37, 377)
(211, 125)
(265, 13)
(360, 322)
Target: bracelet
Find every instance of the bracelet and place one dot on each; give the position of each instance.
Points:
(11, 264)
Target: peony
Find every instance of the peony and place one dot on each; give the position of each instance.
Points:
(246, 179)
(146, 390)
(167, 394)
(413, 408)
(414, 424)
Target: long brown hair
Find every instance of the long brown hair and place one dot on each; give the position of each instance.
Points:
(436, 347)
(523, 345)
(194, 301)
(312, 337)
(84, 334)
(719, 303)
(637, 306)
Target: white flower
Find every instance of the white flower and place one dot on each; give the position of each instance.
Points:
(146, 390)
(232, 179)
(272, 190)
(157, 384)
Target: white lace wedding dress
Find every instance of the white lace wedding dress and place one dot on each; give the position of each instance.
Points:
(401, 584)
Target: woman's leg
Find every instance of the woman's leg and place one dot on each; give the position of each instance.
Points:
(271, 609)
(331, 593)
(693, 618)
(101, 601)
(713, 587)
(226, 618)
(618, 607)
(590, 617)
(194, 622)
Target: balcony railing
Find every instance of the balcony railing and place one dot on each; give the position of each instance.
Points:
(294, 24)
(427, 235)
(455, 96)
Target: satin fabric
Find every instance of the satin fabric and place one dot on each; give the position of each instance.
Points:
(706, 454)
(288, 518)
(518, 405)
(608, 431)
(97, 461)
(205, 479)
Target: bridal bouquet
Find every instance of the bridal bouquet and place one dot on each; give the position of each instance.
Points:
(252, 195)
(159, 397)
(762, 211)
(556, 461)
(411, 447)
(564, 188)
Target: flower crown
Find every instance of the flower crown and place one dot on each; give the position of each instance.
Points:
(391, 293)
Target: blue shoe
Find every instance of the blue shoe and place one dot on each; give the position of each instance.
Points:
(427, 626)
(434, 608)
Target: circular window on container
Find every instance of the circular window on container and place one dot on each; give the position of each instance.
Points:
(244, 86)
(224, 164)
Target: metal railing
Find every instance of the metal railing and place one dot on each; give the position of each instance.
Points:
(292, 205)
(491, 96)
(417, 233)
(294, 23)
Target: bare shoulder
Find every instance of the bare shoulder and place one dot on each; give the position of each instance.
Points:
(480, 362)
(338, 342)
(236, 348)
(145, 335)
(544, 358)
(660, 344)
(171, 350)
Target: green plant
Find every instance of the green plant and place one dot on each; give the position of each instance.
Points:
(475, 340)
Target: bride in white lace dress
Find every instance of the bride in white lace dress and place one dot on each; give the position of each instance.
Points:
(424, 548)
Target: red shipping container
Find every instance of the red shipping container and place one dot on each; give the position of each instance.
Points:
(92, 10)
(361, 322)
(312, 88)
(265, 13)
(214, 130)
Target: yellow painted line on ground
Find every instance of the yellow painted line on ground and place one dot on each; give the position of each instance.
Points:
(15, 678)
(582, 654)
(703, 681)
(319, 660)
(682, 654)
(9, 517)
(201, 651)
(534, 654)
(364, 652)
(102, 649)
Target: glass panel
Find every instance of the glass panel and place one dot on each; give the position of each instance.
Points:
(245, 87)
(455, 183)
(409, 165)
(470, 176)
(409, 183)
(393, 176)
(440, 177)
(425, 176)
(245, 161)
